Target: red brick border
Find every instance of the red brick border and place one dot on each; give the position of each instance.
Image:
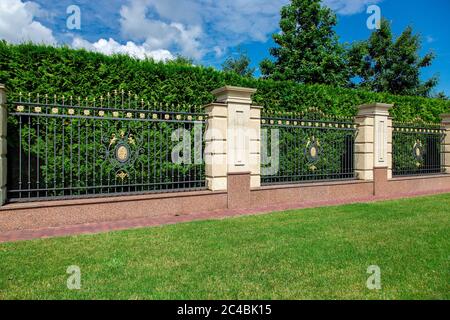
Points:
(91, 228)
(22, 221)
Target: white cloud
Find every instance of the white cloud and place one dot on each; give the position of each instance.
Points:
(197, 27)
(159, 34)
(349, 7)
(17, 23)
(111, 46)
(156, 28)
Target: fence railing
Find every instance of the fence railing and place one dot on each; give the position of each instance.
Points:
(118, 144)
(417, 149)
(312, 146)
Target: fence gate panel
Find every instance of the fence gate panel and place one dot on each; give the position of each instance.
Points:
(114, 145)
(309, 146)
(418, 149)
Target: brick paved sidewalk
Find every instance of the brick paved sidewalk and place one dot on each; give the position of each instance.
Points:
(91, 228)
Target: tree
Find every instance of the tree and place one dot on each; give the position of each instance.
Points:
(381, 64)
(239, 65)
(441, 95)
(308, 50)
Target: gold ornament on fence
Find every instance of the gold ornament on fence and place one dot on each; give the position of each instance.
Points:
(122, 175)
(113, 139)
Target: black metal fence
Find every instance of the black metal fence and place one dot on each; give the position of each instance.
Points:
(308, 146)
(117, 144)
(417, 149)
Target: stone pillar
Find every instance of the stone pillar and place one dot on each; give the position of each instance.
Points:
(389, 146)
(372, 147)
(233, 144)
(3, 145)
(216, 147)
(446, 126)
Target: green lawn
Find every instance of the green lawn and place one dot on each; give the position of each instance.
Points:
(302, 254)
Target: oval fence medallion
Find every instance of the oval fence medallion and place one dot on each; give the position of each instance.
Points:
(122, 153)
(312, 150)
(418, 150)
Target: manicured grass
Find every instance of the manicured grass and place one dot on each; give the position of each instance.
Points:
(304, 254)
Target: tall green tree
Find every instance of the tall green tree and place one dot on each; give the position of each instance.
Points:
(385, 64)
(239, 64)
(308, 49)
(441, 95)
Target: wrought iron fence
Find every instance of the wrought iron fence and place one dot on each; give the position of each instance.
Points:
(117, 144)
(417, 149)
(311, 146)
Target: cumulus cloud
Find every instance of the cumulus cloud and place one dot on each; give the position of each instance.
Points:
(155, 28)
(111, 46)
(197, 27)
(349, 7)
(17, 23)
(159, 34)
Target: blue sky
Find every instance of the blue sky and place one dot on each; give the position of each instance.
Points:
(211, 30)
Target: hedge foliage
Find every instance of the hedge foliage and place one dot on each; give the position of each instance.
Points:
(63, 71)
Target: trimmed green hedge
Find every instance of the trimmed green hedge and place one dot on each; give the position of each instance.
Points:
(63, 71)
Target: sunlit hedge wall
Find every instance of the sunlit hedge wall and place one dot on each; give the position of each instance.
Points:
(63, 71)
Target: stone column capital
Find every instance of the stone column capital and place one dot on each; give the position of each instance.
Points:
(373, 109)
(233, 94)
(445, 117)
